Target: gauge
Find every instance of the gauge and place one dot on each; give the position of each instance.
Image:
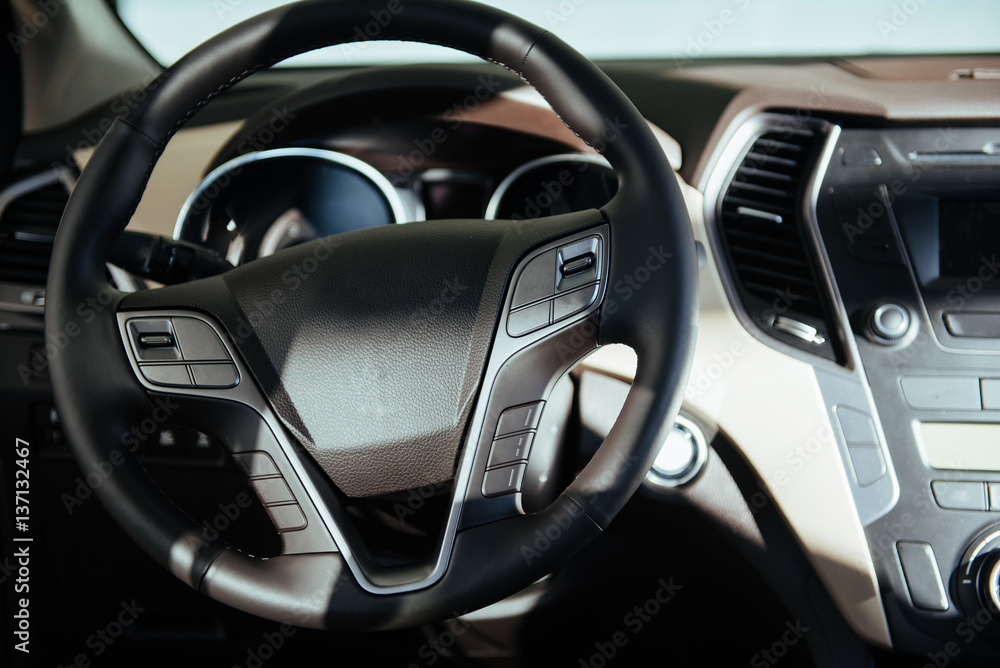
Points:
(259, 203)
(552, 185)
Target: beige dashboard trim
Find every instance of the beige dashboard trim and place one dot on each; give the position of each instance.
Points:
(176, 175)
(771, 406)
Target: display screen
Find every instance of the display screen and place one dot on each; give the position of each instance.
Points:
(969, 235)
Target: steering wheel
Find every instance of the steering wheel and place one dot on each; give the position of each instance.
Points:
(475, 321)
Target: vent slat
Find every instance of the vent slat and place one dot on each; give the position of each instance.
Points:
(27, 229)
(759, 219)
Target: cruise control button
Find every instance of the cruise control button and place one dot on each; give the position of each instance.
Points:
(214, 375)
(528, 319)
(170, 375)
(198, 341)
(510, 449)
(574, 302)
(287, 518)
(272, 490)
(256, 464)
(536, 281)
(521, 418)
(579, 264)
(153, 340)
(503, 481)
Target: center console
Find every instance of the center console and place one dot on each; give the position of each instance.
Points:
(909, 220)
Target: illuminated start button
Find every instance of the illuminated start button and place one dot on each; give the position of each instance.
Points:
(681, 457)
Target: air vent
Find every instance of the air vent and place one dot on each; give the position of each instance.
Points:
(760, 222)
(29, 215)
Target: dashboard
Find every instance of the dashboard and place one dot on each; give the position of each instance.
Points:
(849, 216)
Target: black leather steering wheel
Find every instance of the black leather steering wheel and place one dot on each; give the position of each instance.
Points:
(475, 319)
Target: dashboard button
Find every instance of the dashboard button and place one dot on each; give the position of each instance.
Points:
(214, 375)
(923, 578)
(959, 495)
(521, 418)
(536, 281)
(957, 394)
(510, 449)
(994, 494)
(528, 319)
(505, 480)
(858, 427)
(574, 302)
(287, 518)
(991, 394)
(973, 325)
(868, 462)
(170, 375)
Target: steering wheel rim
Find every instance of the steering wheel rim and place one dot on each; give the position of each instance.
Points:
(646, 297)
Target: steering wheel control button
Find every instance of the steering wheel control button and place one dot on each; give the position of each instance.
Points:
(287, 518)
(156, 340)
(537, 280)
(574, 302)
(506, 480)
(510, 449)
(272, 491)
(169, 375)
(215, 375)
(579, 263)
(923, 578)
(256, 464)
(528, 319)
(199, 342)
(520, 418)
(959, 495)
(153, 340)
(682, 456)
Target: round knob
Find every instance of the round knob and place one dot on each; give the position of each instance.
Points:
(889, 323)
(989, 582)
(682, 455)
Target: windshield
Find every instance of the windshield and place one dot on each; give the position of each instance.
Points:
(614, 29)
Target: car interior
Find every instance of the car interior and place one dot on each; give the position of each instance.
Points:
(405, 333)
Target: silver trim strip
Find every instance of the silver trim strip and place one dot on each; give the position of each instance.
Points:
(497, 197)
(350, 162)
